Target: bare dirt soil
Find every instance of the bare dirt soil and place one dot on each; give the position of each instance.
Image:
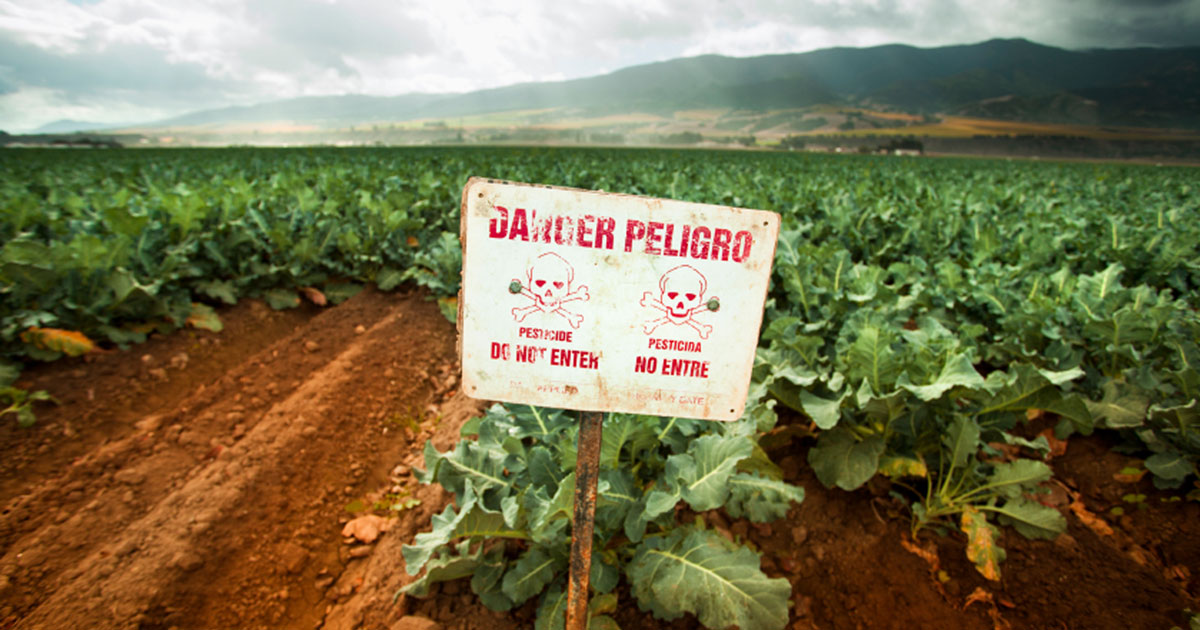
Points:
(203, 480)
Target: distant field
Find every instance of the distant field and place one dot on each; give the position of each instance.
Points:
(963, 127)
(578, 126)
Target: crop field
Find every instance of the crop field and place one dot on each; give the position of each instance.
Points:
(226, 372)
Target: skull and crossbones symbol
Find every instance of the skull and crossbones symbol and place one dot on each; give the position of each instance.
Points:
(549, 279)
(681, 296)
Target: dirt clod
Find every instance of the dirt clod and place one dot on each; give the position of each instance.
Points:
(129, 476)
(366, 528)
(415, 623)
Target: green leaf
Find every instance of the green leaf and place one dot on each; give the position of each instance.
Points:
(1122, 406)
(602, 622)
(1182, 419)
(549, 514)
(552, 611)
(1010, 479)
(471, 467)
(870, 356)
(840, 459)
(9, 373)
(388, 278)
(981, 543)
(471, 521)
(25, 416)
(616, 496)
(342, 291)
(759, 498)
(1094, 291)
(1030, 518)
(280, 299)
(604, 576)
(1074, 409)
(536, 568)
(218, 289)
(619, 430)
(448, 565)
(543, 470)
(823, 411)
(652, 505)
(1063, 377)
(426, 543)
(957, 372)
(1029, 389)
(788, 364)
(702, 474)
(1169, 465)
(1039, 445)
(203, 316)
(488, 578)
(759, 462)
(449, 308)
(696, 571)
(961, 440)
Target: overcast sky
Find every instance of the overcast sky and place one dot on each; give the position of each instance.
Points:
(125, 61)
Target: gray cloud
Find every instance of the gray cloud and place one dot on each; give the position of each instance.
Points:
(118, 67)
(120, 59)
(324, 34)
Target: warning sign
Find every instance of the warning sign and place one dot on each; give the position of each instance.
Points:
(606, 302)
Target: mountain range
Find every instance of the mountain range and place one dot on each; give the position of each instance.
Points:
(1009, 79)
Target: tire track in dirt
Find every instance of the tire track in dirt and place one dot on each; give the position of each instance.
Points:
(223, 509)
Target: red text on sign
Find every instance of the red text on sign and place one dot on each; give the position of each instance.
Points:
(585, 231)
(699, 242)
(671, 367)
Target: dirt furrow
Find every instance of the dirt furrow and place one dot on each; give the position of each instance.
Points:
(222, 507)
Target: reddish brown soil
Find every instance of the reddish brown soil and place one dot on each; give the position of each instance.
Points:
(201, 480)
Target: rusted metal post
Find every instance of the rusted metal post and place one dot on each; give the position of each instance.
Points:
(587, 470)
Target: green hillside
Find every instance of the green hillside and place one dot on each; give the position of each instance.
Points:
(1008, 79)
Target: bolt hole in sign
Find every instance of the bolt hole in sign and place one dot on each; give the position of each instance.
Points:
(606, 302)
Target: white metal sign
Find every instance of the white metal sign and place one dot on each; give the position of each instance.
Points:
(607, 302)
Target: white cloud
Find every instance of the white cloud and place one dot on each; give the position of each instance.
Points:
(126, 60)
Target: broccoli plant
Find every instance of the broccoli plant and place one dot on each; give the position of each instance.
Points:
(972, 489)
(514, 487)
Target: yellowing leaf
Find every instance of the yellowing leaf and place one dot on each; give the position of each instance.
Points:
(928, 553)
(203, 316)
(979, 595)
(413, 242)
(144, 328)
(313, 295)
(69, 342)
(981, 543)
(1092, 521)
(896, 467)
(449, 308)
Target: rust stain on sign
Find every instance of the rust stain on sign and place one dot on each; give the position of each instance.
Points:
(608, 302)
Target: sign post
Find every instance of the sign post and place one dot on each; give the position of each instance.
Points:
(605, 302)
(587, 471)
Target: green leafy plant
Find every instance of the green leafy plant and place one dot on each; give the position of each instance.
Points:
(19, 401)
(974, 490)
(514, 489)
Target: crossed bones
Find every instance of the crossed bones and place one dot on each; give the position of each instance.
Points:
(574, 319)
(649, 300)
